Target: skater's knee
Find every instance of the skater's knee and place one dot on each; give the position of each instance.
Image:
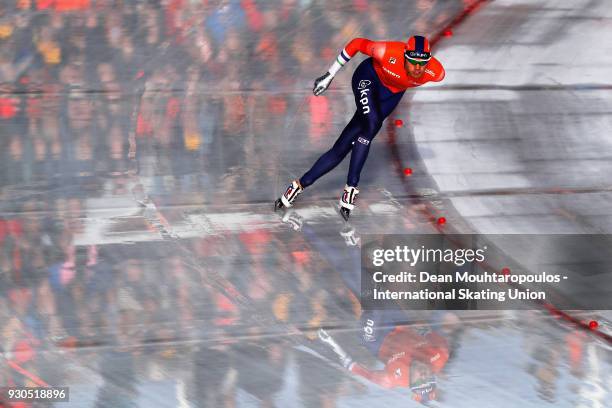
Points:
(337, 155)
(340, 150)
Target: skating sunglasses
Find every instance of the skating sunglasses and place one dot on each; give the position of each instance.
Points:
(417, 62)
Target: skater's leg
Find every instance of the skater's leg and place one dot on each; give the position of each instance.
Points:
(324, 164)
(389, 102)
(372, 122)
(335, 155)
(359, 154)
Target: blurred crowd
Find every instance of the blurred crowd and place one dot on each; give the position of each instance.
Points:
(82, 80)
(130, 312)
(94, 93)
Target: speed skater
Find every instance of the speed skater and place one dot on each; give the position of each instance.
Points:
(378, 84)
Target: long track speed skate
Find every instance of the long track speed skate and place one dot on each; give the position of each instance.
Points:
(347, 201)
(287, 199)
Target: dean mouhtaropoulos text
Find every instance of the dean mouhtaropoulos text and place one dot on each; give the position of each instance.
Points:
(464, 277)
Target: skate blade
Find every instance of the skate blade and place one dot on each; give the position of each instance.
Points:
(345, 213)
(278, 205)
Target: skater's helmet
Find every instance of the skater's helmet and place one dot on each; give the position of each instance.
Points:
(417, 48)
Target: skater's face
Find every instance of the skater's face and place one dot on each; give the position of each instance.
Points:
(415, 68)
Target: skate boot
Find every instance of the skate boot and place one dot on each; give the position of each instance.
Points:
(287, 199)
(347, 201)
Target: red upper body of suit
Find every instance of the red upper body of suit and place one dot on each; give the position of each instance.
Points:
(388, 59)
(398, 350)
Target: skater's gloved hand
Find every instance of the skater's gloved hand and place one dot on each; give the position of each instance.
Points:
(322, 83)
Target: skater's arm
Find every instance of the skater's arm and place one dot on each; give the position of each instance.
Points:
(372, 48)
(362, 45)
